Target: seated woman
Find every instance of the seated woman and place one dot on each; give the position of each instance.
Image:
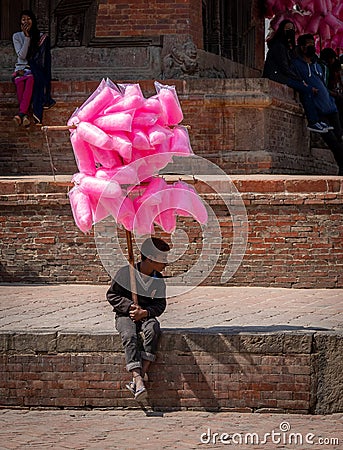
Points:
(33, 50)
(277, 67)
(22, 76)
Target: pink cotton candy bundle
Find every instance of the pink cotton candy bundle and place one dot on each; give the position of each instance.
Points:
(106, 158)
(166, 220)
(125, 104)
(152, 105)
(123, 175)
(81, 208)
(93, 135)
(122, 144)
(158, 134)
(121, 121)
(144, 119)
(170, 104)
(83, 154)
(323, 18)
(140, 140)
(122, 140)
(97, 186)
(106, 97)
(180, 143)
(188, 202)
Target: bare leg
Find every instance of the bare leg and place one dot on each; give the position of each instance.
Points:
(145, 367)
(137, 378)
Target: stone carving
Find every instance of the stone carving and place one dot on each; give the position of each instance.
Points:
(69, 28)
(182, 61)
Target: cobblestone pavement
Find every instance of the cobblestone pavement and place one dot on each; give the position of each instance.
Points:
(83, 308)
(124, 430)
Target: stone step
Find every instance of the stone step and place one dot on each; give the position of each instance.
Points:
(264, 230)
(222, 349)
(244, 126)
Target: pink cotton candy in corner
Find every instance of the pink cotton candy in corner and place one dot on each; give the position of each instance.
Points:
(140, 140)
(104, 99)
(131, 89)
(92, 134)
(143, 220)
(81, 208)
(83, 154)
(121, 209)
(166, 220)
(158, 134)
(121, 121)
(98, 187)
(125, 104)
(107, 158)
(144, 119)
(152, 105)
(188, 202)
(123, 175)
(180, 143)
(122, 144)
(153, 192)
(98, 211)
(170, 105)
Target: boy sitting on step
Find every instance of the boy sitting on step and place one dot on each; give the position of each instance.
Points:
(132, 319)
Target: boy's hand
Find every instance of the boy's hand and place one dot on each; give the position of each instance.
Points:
(137, 313)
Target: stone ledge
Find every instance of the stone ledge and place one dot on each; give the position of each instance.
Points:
(50, 342)
(284, 372)
(254, 184)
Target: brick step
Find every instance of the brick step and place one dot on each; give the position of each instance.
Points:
(194, 370)
(244, 126)
(288, 234)
(242, 349)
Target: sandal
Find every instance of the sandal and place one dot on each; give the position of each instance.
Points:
(131, 387)
(141, 393)
(26, 121)
(18, 119)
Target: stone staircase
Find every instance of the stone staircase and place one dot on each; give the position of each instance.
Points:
(254, 130)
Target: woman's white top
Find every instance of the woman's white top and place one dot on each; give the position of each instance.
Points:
(21, 46)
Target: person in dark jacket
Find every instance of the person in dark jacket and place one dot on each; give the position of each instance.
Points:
(307, 67)
(132, 319)
(278, 68)
(332, 76)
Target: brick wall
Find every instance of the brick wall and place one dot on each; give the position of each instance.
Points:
(242, 125)
(153, 18)
(294, 239)
(243, 372)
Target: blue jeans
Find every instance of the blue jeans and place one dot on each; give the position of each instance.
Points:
(306, 98)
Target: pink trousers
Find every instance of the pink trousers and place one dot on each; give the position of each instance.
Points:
(24, 86)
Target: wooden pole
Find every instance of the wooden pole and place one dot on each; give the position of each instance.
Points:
(58, 127)
(132, 267)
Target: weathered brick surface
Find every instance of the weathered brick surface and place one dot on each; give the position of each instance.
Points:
(204, 371)
(294, 234)
(134, 18)
(243, 126)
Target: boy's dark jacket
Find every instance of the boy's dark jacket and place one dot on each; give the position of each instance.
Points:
(151, 295)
